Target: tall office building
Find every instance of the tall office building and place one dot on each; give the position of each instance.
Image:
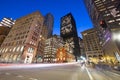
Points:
(22, 41)
(68, 32)
(41, 44)
(105, 15)
(47, 31)
(49, 22)
(92, 47)
(51, 46)
(106, 10)
(7, 22)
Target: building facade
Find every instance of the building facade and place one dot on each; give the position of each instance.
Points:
(64, 56)
(51, 46)
(3, 33)
(107, 12)
(68, 32)
(41, 44)
(93, 49)
(104, 10)
(7, 22)
(46, 32)
(49, 22)
(20, 45)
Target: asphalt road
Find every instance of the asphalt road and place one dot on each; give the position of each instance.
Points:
(65, 72)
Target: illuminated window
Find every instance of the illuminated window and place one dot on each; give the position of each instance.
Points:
(103, 9)
(14, 57)
(118, 15)
(3, 50)
(0, 50)
(22, 48)
(118, 19)
(110, 7)
(14, 49)
(111, 21)
(18, 48)
(30, 50)
(10, 49)
(6, 50)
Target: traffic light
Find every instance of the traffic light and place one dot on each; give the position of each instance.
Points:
(103, 24)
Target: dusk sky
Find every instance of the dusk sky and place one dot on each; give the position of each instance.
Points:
(18, 8)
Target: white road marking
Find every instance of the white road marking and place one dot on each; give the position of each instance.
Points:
(33, 79)
(7, 73)
(90, 76)
(20, 76)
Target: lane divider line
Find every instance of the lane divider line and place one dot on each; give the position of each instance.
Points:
(7, 73)
(90, 76)
(20, 76)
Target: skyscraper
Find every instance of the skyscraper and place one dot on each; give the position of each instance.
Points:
(46, 32)
(21, 43)
(51, 46)
(105, 15)
(49, 22)
(93, 49)
(69, 34)
(104, 10)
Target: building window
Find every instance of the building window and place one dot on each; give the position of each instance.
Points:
(111, 21)
(6, 50)
(118, 19)
(14, 49)
(30, 50)
(3, 50)
(22, 48)
(18, 48)
(10, 49)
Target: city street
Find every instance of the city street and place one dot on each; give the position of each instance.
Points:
(58, 72)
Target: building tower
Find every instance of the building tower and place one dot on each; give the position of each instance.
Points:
(104, 10)
(105, 15)
(21, 43)
(7, 22)
(93, 49)
(69, 34)
(51, 46)
(48, 22)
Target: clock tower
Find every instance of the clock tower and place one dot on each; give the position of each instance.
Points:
(69, 34)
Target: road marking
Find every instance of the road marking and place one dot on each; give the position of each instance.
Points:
(33, 79)
(7, 73)
(20, 76)
(90, 76)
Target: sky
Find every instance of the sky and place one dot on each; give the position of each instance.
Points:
(58, 8)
